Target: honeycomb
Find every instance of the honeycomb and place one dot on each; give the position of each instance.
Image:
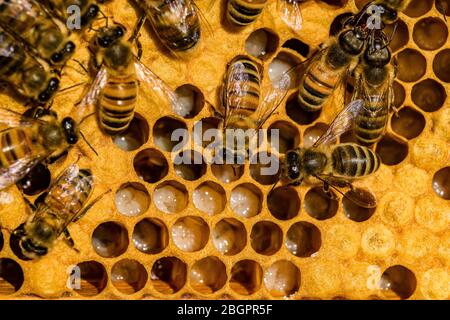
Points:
(211, 231)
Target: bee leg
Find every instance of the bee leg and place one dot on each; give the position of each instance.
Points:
(30, 205)
(136, 33)
(40, 199)
(53, 159)
(68, 240)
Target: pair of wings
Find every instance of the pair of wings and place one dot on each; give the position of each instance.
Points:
(291, 14)
(21, 167)
(144, 74)
(237, 86)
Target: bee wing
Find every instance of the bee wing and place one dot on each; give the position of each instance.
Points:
(17, 170)
(273, 99)
(14, 119)
(66, 178)
(235, 90)
(342, 123)
(290, 13)
(157, 85)
(90, 99)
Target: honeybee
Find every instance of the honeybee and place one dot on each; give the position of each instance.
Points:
(175, 22)
(374, 86)
(328, 68)
(116, 85)
(28, 76)
(88, 10)
(244, 12)
(48, 38)
(64, 203)
(29, 141)
(335, 165)
(243, 103)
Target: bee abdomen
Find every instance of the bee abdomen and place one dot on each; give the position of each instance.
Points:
(246, 101)
(243, 12)
(370, 124)
(15, 145)
(316, 86)
(117, 104)
(352, 160)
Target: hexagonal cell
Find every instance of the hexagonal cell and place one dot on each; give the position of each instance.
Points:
(303, 239)
(430, 33)
(417, 8)
(318, 205)
(93, 278)
(128, 276)
(401, 36)
(312, 134)
(170, 134)
(282, 279)
(190, 101)
(190, 233)
(398, 280)
(229, 236)
(354, 211)
(443, 6)
(338, 23)
(110, 239)
(208, 275)
(246, 200)
(429, 95)
(282, 63)
(36, 181)
(297, 114)
(266, 238)
(441, 65)
(168, 275)
(408, 58)
(391, 150)
(135, 136)
(170, 196)
(262, 43)
(201, 127)
(210, 198)
(150, 235)
(150, 165)
(298, 46)
(441, 183)
(227, 172)
(189, 165)
(409, 123)
(11, 276)
(132, 199)
(265, 168)
(399, 94)
(286, 136)
(283, 203)
(246, 277)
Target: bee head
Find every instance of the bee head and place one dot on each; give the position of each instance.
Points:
(108, 36)
(352, 41)
(378, 54)
(64, 54)
(51, 89)
(118, 56)
(90, 15)
(70, 130)
(292, 166)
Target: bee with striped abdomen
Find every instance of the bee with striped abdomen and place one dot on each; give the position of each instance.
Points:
(115, 88)
(374, 86)
(244, 12)
(60, 8)
(28, 76)
(65, 203)
(29, 141)
(43, 35)
(246, 104)
(327, 69)
(175, 22)
(334, 165)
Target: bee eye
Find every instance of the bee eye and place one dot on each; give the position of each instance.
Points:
(44, 97)
(70, 47)
(56, 57)
(294, 173)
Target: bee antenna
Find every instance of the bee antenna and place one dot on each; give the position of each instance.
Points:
(87, 142)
